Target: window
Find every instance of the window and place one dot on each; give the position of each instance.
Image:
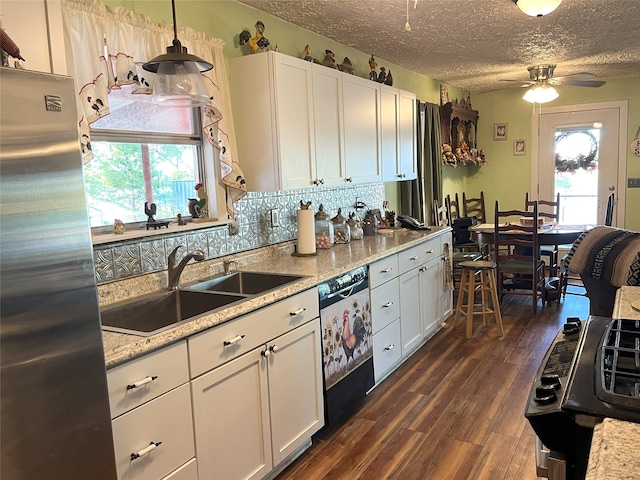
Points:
(143, 153)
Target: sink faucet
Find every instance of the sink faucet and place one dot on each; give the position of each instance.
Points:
(226, 265)
(175, 271)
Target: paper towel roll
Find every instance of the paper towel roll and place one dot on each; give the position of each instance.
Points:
(306, 232)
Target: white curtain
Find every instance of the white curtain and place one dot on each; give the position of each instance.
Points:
(109, 45)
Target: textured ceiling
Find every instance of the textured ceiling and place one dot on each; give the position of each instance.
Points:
(475, 44)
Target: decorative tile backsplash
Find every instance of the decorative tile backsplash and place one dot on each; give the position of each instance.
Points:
(117, 261)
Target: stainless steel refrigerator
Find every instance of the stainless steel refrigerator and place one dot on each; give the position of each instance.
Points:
(55, 420)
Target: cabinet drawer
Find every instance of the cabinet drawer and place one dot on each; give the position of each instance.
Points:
(383, 270)
(385, 304)
(152, 375)
(188, 471)
(208, 349)
(166, 419)
(387, 349)
(418, 255)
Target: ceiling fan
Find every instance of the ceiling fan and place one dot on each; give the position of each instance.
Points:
(543, 75)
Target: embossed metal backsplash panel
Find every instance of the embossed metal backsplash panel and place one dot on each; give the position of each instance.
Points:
(136, 257)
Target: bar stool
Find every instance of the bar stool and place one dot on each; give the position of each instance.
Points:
(487, 288)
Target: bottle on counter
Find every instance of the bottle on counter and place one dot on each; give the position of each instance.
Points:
(370, 224)
(324, 229)
(341, 229)
(356, 229)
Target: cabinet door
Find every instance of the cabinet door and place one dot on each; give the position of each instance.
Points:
(295, 389)
(410, 311)
(389, 117)
(294, 118)
(36, 27)
(407, 142)
(430, 288)
(361, 126)
(328, 123)
(231, 418)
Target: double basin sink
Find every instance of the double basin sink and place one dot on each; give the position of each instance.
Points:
(153, 313)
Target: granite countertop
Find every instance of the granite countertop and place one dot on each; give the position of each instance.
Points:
(614, 447)
(119, 348)
(614, 451)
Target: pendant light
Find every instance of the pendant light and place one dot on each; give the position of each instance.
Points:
(178, 80)
(542, 93)
(537, 8)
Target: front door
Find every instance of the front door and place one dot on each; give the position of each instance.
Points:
(579, 157)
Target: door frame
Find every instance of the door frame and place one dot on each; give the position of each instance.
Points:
(623, 109)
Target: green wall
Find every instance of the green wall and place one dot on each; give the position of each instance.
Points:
(505, 177)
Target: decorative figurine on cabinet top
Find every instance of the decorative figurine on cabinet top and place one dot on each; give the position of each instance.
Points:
(329, 59)
(373, 65)
(259, 43)
(307, 54)
(118, 226)
(346, 66)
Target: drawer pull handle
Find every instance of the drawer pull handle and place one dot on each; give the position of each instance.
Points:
(422, 269)
(389, 347)
(387, 305)
(417, 257)
(142, 382)
(233, 341)
(274, 348)
(266, 353)
(299, 311)
(386, 270)
(431, 251)
(152, 446)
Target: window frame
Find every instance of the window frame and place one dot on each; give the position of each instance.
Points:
(208, 172)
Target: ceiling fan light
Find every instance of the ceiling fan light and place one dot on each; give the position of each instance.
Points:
(540, 94)
(537, 8)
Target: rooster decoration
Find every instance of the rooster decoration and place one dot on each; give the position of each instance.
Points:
(351, 340)
(198, 207)
(259, 43)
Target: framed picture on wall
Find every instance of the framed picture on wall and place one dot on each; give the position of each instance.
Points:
(500, 131)
(519, 147)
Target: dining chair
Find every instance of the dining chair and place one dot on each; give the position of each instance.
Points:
(550, 211)
(460, 224)
(474, 207)
(441, 218)
(608, 217)
(519, 269)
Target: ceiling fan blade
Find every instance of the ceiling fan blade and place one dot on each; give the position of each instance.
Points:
(571, 82)
(523, 83)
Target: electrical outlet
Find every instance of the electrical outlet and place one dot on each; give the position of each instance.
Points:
(275, 218)
(633, 182)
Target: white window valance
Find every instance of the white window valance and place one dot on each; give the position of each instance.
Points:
(109, 45)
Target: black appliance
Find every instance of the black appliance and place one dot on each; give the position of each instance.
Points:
(347, 342)
(590, 371)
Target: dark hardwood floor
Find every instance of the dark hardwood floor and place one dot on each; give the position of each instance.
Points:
(454, 410)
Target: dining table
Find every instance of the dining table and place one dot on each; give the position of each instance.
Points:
(550, 234)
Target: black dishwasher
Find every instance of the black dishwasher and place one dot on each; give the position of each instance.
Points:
(347, 342)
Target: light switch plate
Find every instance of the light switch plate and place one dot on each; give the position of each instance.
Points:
(275, 218)
(633, 182)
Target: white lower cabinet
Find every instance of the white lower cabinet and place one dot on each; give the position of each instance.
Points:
(189, 471)
(255, 410)
(155, 439)
(387, 351)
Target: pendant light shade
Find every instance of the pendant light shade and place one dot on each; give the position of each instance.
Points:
(178, 81)
(540, 94)
(537, 8)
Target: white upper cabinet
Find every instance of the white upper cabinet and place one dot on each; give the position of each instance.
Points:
(397, 134)
(300, 124)
(361, 100)
(36, 28)
(329, 126)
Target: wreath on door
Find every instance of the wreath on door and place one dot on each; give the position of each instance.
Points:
(587, 162)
